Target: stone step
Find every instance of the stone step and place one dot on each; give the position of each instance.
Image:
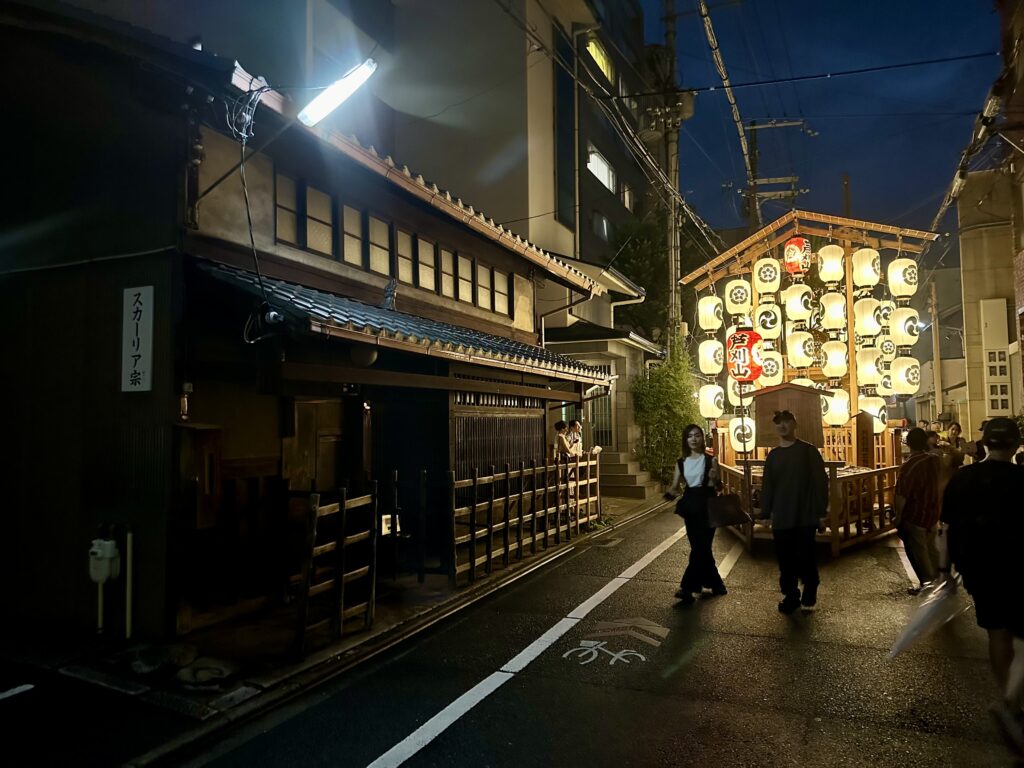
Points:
(646, 491)
(615, 457)
(629, 468)
(633, 478)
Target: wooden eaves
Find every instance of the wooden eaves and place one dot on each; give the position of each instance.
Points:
(739, 259)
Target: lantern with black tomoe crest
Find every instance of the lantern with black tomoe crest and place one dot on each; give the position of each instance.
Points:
(743, 354)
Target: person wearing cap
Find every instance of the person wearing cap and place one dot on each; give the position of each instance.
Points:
(983, 508)
(917, 506)
(794, 495)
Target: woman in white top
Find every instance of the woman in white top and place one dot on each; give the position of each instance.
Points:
(696, 476)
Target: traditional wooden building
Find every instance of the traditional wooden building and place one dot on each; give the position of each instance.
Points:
(190, 354)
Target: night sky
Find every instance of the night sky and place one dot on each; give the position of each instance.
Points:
(898, 134)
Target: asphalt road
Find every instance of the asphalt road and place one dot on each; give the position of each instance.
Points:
(726, 682)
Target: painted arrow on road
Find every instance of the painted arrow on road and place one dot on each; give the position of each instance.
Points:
(641, 629)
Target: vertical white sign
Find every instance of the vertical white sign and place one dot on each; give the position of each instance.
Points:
(137, 340)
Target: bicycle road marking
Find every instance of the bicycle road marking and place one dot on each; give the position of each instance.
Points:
(437, 724)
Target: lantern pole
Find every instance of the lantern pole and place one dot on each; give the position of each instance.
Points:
(851, 352)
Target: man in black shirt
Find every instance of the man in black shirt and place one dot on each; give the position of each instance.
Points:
(794, 494)
(984, 510)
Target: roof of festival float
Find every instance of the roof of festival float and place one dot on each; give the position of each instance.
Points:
(739, 259)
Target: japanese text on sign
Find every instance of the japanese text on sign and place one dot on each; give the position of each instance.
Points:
(137, 339)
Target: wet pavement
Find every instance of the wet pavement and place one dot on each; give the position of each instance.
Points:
(632, 678)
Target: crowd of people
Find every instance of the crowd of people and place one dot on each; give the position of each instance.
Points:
(968, 493)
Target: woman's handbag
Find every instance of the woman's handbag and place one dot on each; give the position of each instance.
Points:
(726, 510)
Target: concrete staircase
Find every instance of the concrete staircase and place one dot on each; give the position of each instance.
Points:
(622, 477)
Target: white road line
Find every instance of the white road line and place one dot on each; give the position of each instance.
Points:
(730, 559)
(15, 691)
(436, 725)
(902, 552)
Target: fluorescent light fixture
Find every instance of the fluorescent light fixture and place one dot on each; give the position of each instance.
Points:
(333, 95)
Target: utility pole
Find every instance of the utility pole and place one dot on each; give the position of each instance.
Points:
(672, 123)
(846, 195)
(933, 303)
(756, 191)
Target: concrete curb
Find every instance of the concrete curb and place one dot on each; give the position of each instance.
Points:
(326, 666)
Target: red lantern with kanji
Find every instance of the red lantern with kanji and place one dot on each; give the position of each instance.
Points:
(796, 255)
(743, 355)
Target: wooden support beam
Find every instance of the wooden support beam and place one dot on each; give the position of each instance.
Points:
(873, 242)
(743, 263)
(338, 374)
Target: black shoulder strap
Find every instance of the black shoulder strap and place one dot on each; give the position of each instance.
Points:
(707, 469)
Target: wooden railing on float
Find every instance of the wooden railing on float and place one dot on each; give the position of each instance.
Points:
(516, 512)
(860, 504)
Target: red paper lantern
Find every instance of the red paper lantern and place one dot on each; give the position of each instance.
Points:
(796, 255)
(743, 355)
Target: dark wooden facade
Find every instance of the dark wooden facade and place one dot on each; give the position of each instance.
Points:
(217, 500)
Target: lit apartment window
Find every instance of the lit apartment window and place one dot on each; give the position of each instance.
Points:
(447, 273)
(484, 298)
(380, 246)
(319, 222)
(602, 227)
(501, 292)
(601, 168)
(352, 243)
(285, 194)
(428, 261)
(600, 56)
(627, 197)
(465, 279)
(403, 246)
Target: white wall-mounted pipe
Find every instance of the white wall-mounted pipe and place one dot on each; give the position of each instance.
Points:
(129, 544)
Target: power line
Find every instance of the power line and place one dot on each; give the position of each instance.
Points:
(825, 75)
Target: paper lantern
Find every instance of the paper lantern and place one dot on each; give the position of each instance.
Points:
(868, 371)
(875, 406)
(885, 310)
(743, 354)
(772, 369)
(902, 276)
(709, 313)
(739, 392)
(796, 256)
(865, 318)
(833, 311)
(800, 348)
(886, 347)
(711, 399)
(738, 297)
(835, 409)
(835, 360)
(768, 321)
(805, 382)
(767, 275)
(906, 376)
(903, 326)
(867, 268)
(830, 264)
(798, 299)
(742, 433)
(884, 386)
(711, 356)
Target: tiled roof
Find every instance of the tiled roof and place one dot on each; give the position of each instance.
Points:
(347, 318)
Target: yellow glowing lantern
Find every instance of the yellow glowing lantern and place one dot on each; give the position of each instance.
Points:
(830, 264)
(768, 321)
(771, 369)
(738, 297)
(866, 318)
(904, 326)
(767, 275)
(833, 311)
(805, 382)
(885, 310)
(902, 276)
(835, 356)
(884, 386)
(867, 268)
(835, 408)
(711, 356)
(709, 313)
(799, 300)
(886, 347)
(875, 406)
(906, 375)
(739, 392)
(711, 399)
(868, 361)
(742, 433)
(800, 348)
